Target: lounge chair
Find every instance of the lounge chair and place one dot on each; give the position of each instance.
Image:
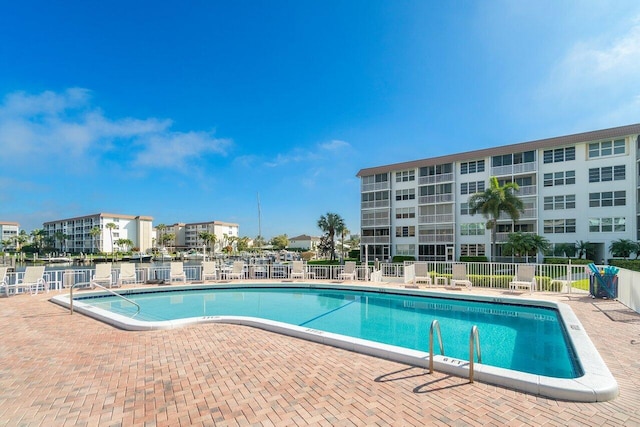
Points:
(33, 280)
(4, 281)
(176, 273)
(209, 271)
(127, 274)
(237, 271)
(421, 273)
(102, 275)
(459, 276)
(297, 270)
(348, 271)
(525, 278)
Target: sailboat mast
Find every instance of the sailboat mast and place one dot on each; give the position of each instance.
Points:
(259, 217)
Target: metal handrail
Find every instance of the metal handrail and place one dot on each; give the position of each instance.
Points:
(435, 325)
(474, 337)
(106, 289)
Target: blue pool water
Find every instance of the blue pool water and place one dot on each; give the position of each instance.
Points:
(522, 338)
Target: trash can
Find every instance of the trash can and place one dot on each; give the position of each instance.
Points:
(604, 286)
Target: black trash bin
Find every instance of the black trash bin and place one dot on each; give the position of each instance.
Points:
(607, 290)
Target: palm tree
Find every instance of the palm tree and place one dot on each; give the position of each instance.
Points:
(38, 236)
(330, 224)
(622, 248)
(60, 237)
(95, 232)
(111, 226)
(582, 247)
(493, 202)
(209, 239)
(161, 228)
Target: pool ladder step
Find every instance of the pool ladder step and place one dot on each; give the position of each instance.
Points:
(474, 344)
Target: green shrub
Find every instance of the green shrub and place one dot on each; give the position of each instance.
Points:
(473, 259)
(403, 258)
(574, 261)
(629, 264)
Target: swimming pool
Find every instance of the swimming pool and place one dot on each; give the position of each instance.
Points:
(532, 346)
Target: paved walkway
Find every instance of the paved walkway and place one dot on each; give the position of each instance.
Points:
(59, 370)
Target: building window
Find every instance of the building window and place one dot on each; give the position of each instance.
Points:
(472, 249)
(471, 167)
(436, 170)
(403, 213)
(471, 187)
(607, 173)
(472, 229)
(406, 194)
(606, 225)
(607, 198)
(372, 179)
(560, 202)
(514, 159)
(406, 231)
(559, 226)
(406, 176)
(617, 147)
(559, 178)
(406, 250)
(559, 155)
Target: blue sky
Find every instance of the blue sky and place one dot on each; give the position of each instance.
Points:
(187, 111)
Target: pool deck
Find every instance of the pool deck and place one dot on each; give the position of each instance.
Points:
(57, 370)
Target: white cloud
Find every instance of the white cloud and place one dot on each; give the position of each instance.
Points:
(66, 125)
(334, 145)
(598, 78)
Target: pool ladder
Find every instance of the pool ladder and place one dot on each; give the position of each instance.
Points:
(474, 344)
(106, 289)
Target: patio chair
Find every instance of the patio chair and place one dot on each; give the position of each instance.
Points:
(524, 279)
(33, 280)
(421, 273)
(237, 271)
(209, 271)
(4, 281)
(348, 271)
(297, 270)
(459, 276)
(176, 272)
(127, 274)
(102, 275)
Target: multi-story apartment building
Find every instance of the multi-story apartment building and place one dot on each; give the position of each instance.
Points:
(187, 236)
(8, 232)
(75, 235)
(581, 187)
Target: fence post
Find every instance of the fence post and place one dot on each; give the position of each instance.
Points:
(569, 277)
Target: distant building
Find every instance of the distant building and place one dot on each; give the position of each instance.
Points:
(8, 231)
(187, 235)
(74, 234)
(304, 242)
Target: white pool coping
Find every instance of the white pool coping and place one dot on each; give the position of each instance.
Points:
(596, 385)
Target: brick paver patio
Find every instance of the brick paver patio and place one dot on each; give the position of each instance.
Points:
(59, 370)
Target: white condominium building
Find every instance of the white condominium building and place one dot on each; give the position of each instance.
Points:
(187, 235)
(582, 187)
(8, 233)
(75, 235)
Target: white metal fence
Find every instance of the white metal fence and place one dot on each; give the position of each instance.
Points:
(559, 278)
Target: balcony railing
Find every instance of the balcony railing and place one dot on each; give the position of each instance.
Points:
(432, 219)
(375, 240)
(375, 204)
(375, 186)
(436, 238)
(374, 222)
(514, 169)
(438, 198)
(527, 190)
(433, 179)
